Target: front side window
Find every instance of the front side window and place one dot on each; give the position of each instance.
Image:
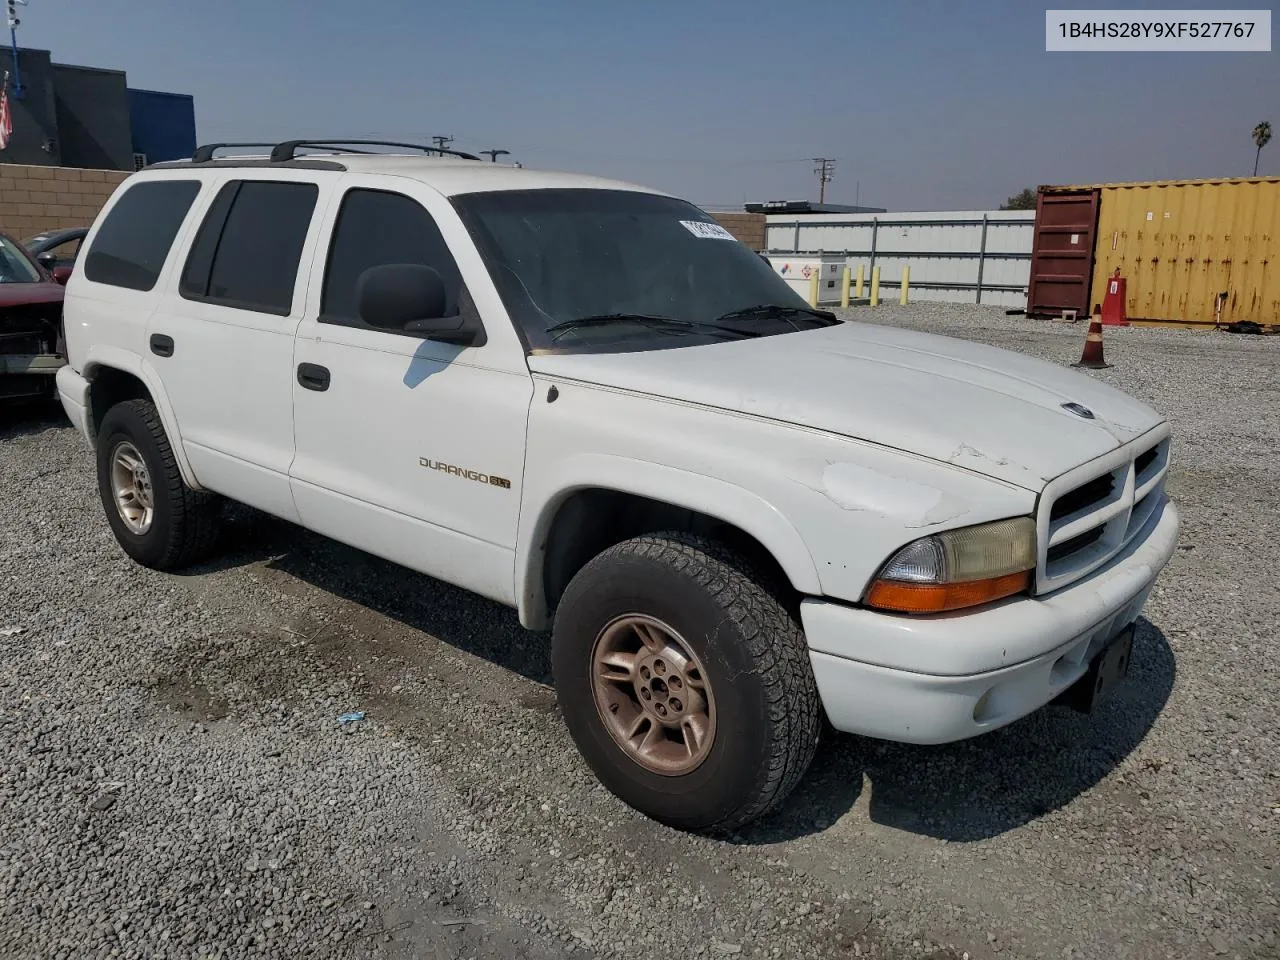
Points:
(132, 244)
(374, 228)
(247, 252)
(15, 265)
(619, 270)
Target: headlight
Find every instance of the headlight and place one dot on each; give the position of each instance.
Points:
(958, 568)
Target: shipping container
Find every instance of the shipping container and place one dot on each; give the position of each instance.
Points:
(1062, 250)
(1190, 251)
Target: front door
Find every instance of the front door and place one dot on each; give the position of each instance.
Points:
(409, 448)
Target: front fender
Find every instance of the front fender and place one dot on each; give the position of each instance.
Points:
(681, 488)
(829, 508)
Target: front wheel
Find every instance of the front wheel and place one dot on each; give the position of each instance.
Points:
(685, 684)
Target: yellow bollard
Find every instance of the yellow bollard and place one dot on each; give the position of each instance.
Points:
(906, 280)
(813, 288)
(844, 287)
(875, 287)
(857, 290)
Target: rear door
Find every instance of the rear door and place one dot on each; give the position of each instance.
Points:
(222, 336)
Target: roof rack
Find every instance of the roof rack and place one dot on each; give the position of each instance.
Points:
(204, 152)
(287, 150)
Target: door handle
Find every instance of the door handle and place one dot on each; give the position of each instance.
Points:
(161, 345)
(313, 376)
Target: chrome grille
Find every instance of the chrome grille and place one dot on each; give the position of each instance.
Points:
(1090, 514)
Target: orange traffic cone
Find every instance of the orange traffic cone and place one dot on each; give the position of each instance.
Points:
(1092, 355)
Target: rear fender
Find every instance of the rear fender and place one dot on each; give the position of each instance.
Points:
(106, 356)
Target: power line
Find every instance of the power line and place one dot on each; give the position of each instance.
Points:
(824, 171)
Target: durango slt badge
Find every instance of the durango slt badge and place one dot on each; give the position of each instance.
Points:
(475, 475)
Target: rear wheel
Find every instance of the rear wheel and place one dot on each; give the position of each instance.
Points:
(685, 683)
(158, 520)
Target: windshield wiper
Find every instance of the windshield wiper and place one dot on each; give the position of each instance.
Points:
(653, 321)
(765, 311)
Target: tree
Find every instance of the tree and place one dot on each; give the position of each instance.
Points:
(1261, 136)
(1026, 200)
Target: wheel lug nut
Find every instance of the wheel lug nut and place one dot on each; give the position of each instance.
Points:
(644, 692)
(659, 667)
(675, 705)
(662, 711)
(644, 672)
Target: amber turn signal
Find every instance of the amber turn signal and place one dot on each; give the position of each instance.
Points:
(902, 597)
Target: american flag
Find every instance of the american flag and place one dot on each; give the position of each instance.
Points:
(6, 118)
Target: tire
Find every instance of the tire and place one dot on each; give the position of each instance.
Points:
(763, 706)
(183, 523)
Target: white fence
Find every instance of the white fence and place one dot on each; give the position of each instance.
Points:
(955, 257)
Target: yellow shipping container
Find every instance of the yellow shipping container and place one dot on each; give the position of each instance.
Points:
(1192, 250)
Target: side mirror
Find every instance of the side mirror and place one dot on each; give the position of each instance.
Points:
(61, 274)
(48, 260)
(410, 298)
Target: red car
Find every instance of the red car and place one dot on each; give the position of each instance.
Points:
(31, 346)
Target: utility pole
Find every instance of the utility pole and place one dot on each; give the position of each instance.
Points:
(824, 172)
(441, 143)
(494, 154)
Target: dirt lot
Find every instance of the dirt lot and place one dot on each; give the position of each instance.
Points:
(175, 782)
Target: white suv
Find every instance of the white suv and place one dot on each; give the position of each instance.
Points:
(586, 400)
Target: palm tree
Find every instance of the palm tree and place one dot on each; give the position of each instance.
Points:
(1261, 136)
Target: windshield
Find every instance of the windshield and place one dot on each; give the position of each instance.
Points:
(617, 270)
(15, 267)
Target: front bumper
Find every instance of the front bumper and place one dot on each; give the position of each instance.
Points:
(949, 677)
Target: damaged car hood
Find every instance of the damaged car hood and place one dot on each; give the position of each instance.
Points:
(999, 413)
(21, 294)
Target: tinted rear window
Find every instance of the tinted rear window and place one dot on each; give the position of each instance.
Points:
(134, 240)
(250, 244)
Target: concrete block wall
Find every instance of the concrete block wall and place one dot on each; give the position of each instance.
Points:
(34, 198)
(747, 227)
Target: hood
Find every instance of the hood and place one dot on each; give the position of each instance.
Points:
(990, 410)
(19, 294)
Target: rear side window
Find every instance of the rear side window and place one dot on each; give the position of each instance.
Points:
(247, 251)
(133, 241)
(375, 227)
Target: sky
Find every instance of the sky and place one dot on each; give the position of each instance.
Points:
(923, 105)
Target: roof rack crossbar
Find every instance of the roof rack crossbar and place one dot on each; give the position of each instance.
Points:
(282, 152)
(205, 152)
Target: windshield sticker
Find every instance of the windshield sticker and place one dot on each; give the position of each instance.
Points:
(707, 231)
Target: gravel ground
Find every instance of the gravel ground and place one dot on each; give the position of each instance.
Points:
(175, 783)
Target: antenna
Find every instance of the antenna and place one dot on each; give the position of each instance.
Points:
(494, 154)
(441, 143)
(19, 91)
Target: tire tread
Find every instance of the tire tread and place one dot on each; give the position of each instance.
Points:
(194, 513)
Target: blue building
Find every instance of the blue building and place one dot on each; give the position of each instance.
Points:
(163, 125)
